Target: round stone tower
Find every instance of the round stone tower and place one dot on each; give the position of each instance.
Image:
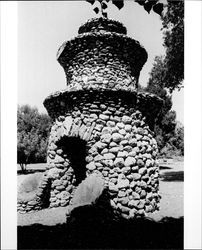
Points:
(101, 123)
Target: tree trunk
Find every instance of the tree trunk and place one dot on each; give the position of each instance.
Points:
(23, 167)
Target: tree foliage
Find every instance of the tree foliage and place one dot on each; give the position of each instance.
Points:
(169, 137)
(32, 134)
(173, 29)
(148, 5)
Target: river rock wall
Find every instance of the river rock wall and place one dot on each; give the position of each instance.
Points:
(102, 54)
(101, 124)
(119, 144)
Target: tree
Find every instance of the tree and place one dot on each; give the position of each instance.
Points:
(165, 125)
(173, 29)
(32, 134)
(148, 5)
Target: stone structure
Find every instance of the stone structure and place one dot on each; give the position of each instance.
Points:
(101, 123)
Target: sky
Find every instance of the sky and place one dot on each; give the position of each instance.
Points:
(44, 25)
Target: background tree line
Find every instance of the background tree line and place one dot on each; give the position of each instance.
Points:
(33, 131)
(166, 75)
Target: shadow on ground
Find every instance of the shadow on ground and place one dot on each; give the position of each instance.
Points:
(172, 176)
(30, 171)
(90, 232)
(164, 167)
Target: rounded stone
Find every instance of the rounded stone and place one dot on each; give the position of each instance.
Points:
(108, 163)
(91, 166)
(128, 128)
(110, 123)
(123, 200)
(59, 159)
(130, 177)
(56, 183)
(114, 150)
(125, 209)
(126, 119)
(113, 188)
(98, 158)
(132, 184)
(132, 153)
(133, 142)
(133, 203)
(115, 129)
(113, 204)
(126, 170)
(32, 203)
(148, 163)
(122, 154)
(148, 209)
(106, 138)
(109, 156)
(132, 212)
(149, 196)
(103, 107)
(124, 142)
(120, 125)
(121, 194)
(114, 180)
(122, 132)
(123, 183)
(69, 188)
(130, 161)
(140, 162)
(141, 204)
(119, 162)
(98, 165)
(89, 158)
(136, 196)
(128, 148)
(106, 130)
(104, 117)
(52, 153)
(142, 171)
(59, 151)
(60, 187)
(63, 203)
(136, 176)
(143, 184)
(113, 144)
(93, 116)
(143, 194)
(104, 151)
(116, 137)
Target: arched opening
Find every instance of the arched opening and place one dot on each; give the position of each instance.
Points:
(75, 149)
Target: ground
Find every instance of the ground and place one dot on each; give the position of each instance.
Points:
(163, 229)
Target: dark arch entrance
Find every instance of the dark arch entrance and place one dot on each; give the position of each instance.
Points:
(75, 149)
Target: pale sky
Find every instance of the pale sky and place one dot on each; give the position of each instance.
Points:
(44, 26)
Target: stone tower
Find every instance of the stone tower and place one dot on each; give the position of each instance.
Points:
(101, 123)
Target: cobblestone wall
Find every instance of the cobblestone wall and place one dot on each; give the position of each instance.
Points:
(100, 55)
(119, 144)
(101, 124)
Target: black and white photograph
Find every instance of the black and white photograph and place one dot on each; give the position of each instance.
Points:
(100, 124)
